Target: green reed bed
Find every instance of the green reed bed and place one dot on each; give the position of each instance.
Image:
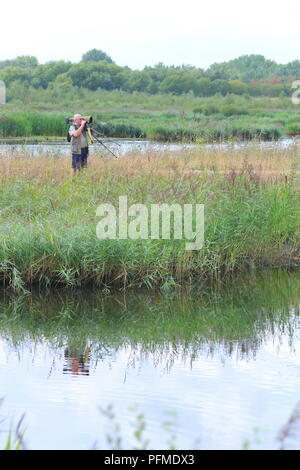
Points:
(29, 123)
(175, 126)
(215, 133)
(48, 223)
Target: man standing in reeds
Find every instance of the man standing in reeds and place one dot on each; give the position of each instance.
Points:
(79, 143)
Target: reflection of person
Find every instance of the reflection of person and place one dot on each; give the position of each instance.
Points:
(79, 143)
(77, 363)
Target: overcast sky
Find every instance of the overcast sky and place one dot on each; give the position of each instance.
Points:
(138, 33)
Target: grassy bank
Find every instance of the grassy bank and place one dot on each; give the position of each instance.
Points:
(163, 117)
(48, 219)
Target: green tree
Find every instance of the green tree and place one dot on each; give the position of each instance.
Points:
(63, 83)
(47, 73)
(95, 75)
(27, 61)
(291, 69)
(11, 74)
(139, 81)
(96, 55)
(178, 83)
(220, 86)
(204, 87)
(246, 67)
(238, 87)
(18, 92)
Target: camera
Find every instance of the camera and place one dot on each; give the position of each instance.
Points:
(88, 119)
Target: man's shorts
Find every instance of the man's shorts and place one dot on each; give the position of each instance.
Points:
(79, 160)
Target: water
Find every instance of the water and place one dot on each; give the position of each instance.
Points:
(221, 366)
(122, 147)
(119, 148)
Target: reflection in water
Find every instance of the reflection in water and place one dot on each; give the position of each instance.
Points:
(77, 363)
(225, 320)
(231, 321)
(227, 358)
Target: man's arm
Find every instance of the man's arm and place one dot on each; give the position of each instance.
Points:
(77, 132)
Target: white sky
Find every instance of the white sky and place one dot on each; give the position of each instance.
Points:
(138, 33)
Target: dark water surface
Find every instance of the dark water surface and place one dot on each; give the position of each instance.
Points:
(221, 365)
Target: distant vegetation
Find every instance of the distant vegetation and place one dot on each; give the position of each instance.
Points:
(176, 126)
(252, 75)
(248, 98)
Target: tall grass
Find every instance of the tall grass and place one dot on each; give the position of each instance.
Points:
(28, 123)
(48, 220)
(178, 125)
(214, 134)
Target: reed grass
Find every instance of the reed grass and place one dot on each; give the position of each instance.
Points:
(48, 219)
(160, 125)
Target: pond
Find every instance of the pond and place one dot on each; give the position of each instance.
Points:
(214, 367)
(122, 147)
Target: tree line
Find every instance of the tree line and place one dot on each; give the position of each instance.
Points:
(252, 75)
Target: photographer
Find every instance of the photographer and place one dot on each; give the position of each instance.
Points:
(79, 143)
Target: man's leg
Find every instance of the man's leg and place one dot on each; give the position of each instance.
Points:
(84, 156)
(76, 162)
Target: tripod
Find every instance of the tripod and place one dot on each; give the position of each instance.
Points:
(92, 135)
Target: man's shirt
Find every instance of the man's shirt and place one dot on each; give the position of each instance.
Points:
(83, 139)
